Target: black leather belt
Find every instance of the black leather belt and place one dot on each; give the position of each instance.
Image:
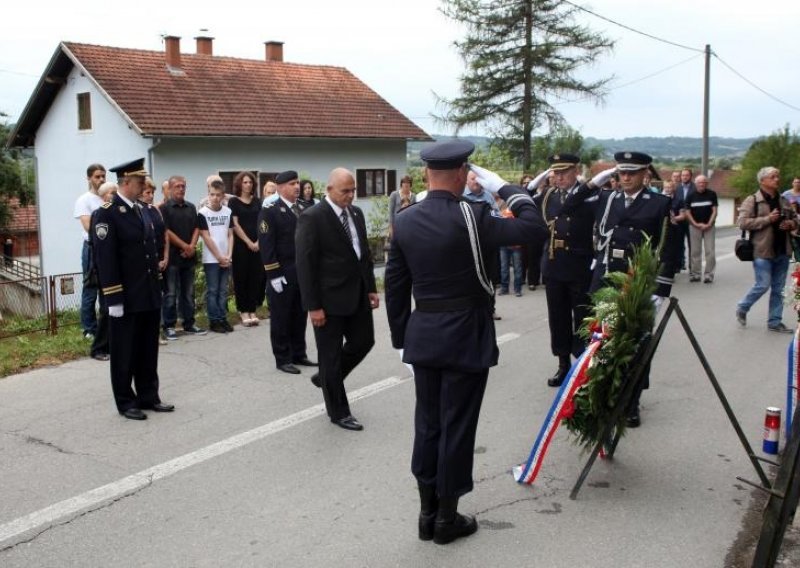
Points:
(452, 304)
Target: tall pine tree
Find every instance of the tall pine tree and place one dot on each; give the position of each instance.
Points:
(522, 57)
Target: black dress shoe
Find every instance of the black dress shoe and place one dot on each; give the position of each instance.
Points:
(348, 423)
(134, 414)
(161, 407)
(305, 362)
(633, 420)
(289, 368)
(558, 378)
(445, 532)
(101, 357)
(315, 380)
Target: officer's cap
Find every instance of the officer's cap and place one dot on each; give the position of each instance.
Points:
(632, 161)
(134, 168)
(286, 177)
(448, 155)
(563, 161)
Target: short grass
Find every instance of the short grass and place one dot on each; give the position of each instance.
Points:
(38, 349)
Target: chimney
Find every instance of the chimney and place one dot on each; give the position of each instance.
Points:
(274, 50)
(204, 45)
(172, 46)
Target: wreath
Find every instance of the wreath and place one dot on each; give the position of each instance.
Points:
(622, 315)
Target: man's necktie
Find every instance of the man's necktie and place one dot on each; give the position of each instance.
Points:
(628, 201)
(138, 210)
(295, 210)
(562, 194)
(346, 225)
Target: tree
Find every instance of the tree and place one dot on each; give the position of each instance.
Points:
(11, 182)
(521, 57)
(781, 149)
(563, 139)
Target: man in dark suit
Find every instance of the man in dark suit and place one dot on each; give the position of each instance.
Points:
(567, 261)
(276, 228)
(682, 191)
(337, 284)
(127, 254)
(439, 252)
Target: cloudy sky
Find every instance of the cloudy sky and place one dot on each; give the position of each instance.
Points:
(404, 51)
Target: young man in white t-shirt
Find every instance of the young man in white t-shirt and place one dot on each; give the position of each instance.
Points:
(214, 222)
(84, 206)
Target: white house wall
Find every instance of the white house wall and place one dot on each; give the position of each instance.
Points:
(197, 158)
(62, 155)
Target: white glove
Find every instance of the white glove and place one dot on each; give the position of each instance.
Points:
(409, 367)
(602, 178)
(116, 311)
(489, 181)
(277, 284)
(657, 301)
(534, 184)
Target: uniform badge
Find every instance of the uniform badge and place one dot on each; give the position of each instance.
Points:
(263, 228)
(122, 209)
(628, 155)
(283, 209)
(101, 230)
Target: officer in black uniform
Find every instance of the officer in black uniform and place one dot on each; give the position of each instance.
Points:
(126, 249)
(625, 219)
(439, 253)
(567, 261)
(276, 227)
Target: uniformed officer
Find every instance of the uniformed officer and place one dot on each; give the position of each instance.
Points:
(126, 249)
(439, 252)
(277, 222)
(624, 220)
(567, 260)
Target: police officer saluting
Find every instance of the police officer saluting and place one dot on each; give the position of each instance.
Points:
(127, 252)
(567, 259)
(624, 220)
(439, 252)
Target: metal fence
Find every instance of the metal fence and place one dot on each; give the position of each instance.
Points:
(38, 303)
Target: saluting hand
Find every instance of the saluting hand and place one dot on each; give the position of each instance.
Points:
(487, 179)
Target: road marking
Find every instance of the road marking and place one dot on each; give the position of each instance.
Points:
(28, 525)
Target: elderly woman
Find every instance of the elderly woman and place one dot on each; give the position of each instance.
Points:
(248, 272)
(400, 199)
(270, 193)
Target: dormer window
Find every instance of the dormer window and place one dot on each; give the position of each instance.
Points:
(84, 111)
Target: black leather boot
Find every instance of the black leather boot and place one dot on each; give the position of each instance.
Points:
(428, 507)
(450, 524)
(561, 374)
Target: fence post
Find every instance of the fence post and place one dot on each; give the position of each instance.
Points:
(51, 308)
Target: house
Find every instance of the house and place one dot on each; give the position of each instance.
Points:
(197, 114)
(22, 230)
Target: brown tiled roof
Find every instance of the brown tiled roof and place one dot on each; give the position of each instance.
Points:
(23, 219)
(223, 96)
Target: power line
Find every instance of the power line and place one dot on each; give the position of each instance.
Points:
(18, 73)
(635, 81)
(634, 30)
(752, 84)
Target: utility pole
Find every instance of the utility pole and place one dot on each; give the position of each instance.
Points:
(707, 86)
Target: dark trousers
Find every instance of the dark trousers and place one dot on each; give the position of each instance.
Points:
(100, 342)
(249, 278)
(287, 324)
(535, 264)
(445, 422)
(88, 293)
(179, 295)
(567, 306)
(341, 345)
(133, 340)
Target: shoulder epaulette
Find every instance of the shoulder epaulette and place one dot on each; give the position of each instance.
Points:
(106, 205)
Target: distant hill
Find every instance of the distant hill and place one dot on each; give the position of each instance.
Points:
(672, 147)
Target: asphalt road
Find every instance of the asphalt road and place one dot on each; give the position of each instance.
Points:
(249, 472)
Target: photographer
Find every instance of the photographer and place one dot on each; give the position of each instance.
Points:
(770, 220)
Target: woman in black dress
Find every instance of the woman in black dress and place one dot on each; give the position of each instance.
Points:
(306, 198)
(248, 272)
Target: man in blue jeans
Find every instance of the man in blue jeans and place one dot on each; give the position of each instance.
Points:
(180, 219)
(770, 220)
(85, 205)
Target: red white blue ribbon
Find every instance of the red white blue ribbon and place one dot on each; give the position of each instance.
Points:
(562, 407)
(792, 379)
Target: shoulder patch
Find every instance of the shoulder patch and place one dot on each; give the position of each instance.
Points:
(263, 227)
(106, 205)
(101, 230)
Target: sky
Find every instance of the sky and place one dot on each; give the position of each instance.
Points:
(404, 51)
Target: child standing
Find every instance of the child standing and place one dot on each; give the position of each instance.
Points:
(214, 222)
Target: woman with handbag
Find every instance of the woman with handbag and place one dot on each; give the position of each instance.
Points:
(770, 220)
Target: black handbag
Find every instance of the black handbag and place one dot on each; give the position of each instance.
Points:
(743, 249)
